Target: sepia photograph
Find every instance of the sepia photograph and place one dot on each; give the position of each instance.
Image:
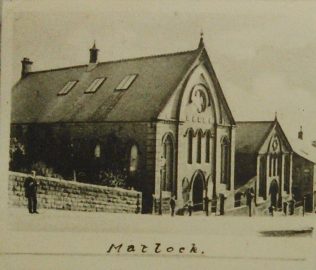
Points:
(158, 134)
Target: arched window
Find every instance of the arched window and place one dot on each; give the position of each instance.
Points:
(133, 162)
(168, 153)
(207, 146)
(190, 145)
(97, 151)
(199, 146)
(225, 156)
(185, 190)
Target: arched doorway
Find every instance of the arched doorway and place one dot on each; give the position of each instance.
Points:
(197, 192)
(273, 191)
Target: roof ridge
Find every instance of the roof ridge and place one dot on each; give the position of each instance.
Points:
(117, 61)
(263, 121)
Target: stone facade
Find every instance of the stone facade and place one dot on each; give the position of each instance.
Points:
(212, 122)
(190, 115)
(66, 195)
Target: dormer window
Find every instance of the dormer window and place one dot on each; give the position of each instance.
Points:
(126, 82)
(94, 86)
(67, 87)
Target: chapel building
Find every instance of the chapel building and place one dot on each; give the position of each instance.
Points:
(277, 169)
(160, 122)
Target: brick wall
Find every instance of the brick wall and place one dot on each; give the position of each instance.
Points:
(65, 195)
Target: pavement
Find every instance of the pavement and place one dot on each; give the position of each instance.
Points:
(57, 239)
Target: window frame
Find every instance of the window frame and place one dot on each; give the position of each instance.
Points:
(225, 161)
(133, 161)
(66, 90)
(199, 135)
(208, 137)
(87, 91)
(190, 146)
(122, 84)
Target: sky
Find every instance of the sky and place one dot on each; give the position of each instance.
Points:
(263, 52)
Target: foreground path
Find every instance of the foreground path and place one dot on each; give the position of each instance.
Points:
(67, 238)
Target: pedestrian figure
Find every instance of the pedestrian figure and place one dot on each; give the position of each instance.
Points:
(249, 196)
(190, 208)
(271, 208)
(285, 208)
(222, 199)
(30, 188)
(291, 207)
(172, 205)
(206, 204)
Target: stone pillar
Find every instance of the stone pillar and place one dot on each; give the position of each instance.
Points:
(232, 159)
(258, 178)
(291, 175)
(267, 175)
(282, 173)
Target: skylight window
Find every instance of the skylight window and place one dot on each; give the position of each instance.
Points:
(94, 86)
(126, 82)
(67, 87)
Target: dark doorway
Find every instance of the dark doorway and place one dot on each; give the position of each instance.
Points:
(197, 193)
(273, 191)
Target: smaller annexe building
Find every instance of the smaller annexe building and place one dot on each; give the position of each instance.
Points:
(279, 170)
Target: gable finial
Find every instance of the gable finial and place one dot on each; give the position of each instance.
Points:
(300, 133)
(275, 116)
(201, 43)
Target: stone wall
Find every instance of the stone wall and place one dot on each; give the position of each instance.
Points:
(66, 195)
(85, 136)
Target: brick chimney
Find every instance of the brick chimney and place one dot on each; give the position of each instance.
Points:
(300, 134)
(26, 66)
(93, 54)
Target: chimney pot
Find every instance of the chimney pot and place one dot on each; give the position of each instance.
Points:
(26, 66)
(93, 54)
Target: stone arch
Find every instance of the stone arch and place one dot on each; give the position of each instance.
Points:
(190, 134)
(225, 160)
(216, 108)
(199, 135)
(209, 184)
(169, 181)
(185, 190)
(198, 188)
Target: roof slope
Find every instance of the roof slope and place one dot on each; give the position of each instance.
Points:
(35, 99)
(250, 135)
(303, 148)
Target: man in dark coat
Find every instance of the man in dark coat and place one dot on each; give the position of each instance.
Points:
(30, 187)
(206, 205)
(249, 196)
(190, 208)
(172, 205)
(222, 199)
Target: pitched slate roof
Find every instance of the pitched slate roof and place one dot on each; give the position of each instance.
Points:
(251, 135)
(304, 149)
(35, 99)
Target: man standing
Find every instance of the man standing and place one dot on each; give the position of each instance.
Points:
(172, 205)
(190, 208)
(206, 204)
(30, 187)
(249, 197)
